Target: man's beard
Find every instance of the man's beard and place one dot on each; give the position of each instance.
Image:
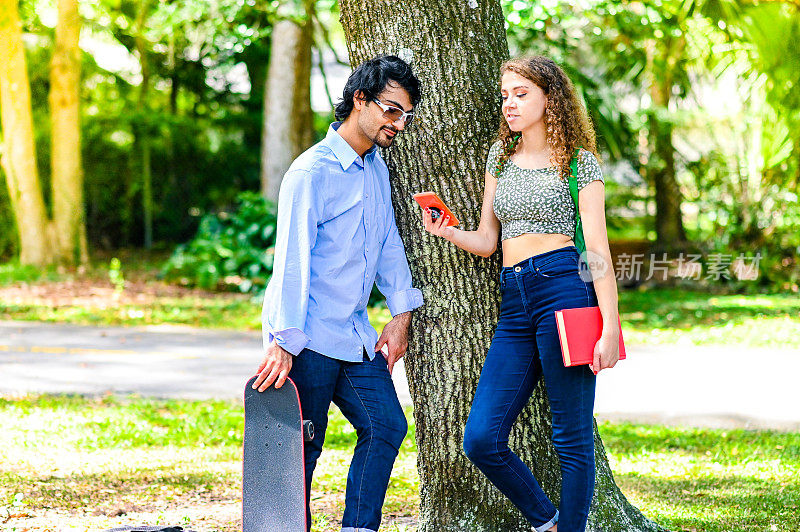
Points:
(384, 142)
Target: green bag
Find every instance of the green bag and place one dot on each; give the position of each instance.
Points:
(580, 243)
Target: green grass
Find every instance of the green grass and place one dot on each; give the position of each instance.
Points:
(74, 454)
(136, 263)
(205, 311)
(13, 273)
(709, 480)
(62, 455)
(111, 423)
(209, 312)
(668, 316)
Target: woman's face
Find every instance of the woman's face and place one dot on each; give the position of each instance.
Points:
(524, 102)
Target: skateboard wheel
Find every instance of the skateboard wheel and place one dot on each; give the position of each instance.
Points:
(308, 430)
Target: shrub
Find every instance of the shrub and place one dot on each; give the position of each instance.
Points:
(231, 250)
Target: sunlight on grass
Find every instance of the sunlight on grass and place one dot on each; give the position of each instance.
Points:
(708, 480)
(11, 272)
(668, 316)
(750, 332)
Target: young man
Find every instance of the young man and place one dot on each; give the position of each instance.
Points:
(336, 237)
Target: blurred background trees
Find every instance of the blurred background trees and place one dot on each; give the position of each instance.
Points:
(694, 111)
(185, 105)
(43, 238)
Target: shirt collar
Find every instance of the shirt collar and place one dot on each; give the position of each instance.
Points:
(343, 152)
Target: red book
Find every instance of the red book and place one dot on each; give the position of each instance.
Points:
(579, 329)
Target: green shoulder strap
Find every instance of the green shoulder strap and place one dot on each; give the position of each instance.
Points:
(580, 243)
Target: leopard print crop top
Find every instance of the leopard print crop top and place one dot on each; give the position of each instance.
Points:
(537, 200)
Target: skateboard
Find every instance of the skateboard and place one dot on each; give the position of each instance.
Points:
(273, 473)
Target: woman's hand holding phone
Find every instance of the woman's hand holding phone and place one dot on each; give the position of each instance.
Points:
(436, 216)
(439, 226)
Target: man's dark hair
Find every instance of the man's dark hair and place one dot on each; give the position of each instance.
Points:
(371, 77)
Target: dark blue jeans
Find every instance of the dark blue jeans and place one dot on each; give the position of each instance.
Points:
(525, 347)
(365, 394)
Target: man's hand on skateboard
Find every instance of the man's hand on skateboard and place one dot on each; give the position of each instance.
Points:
(274, 368)
(394, 339)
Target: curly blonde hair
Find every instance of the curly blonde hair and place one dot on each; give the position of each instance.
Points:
(567, 123)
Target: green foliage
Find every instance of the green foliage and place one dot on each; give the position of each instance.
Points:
(115, 275)
(9, 242)
(12, 272)
(736, 164)
(770, 37)
(230, 249)
(200, 124)
(563, 32)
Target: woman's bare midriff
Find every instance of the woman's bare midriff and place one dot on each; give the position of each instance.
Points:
(527, 245)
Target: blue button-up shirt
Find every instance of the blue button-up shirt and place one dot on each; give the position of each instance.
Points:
(336, 236)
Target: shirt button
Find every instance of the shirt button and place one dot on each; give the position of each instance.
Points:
(518, 269)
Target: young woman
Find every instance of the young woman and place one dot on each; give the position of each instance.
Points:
(528, 204)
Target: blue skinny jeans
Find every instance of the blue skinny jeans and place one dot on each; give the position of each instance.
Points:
(525, 348)
(365, 393)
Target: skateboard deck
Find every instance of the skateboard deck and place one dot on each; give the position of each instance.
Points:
(273, 487)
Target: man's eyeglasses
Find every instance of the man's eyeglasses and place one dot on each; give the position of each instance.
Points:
(395, 113)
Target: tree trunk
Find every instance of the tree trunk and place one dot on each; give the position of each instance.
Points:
(456, 49)
(18, 155)
(670, 233)
(669, 221)
(67, 184)
(288, 120)
(144, 129)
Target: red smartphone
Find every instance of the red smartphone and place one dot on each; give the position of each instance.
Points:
(429, 200)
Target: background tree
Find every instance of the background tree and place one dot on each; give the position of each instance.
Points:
(456, 50)
(42, 240)
(67, 168)
(183, 97)
(143, 125)
(288, 119)
(755, 165)
(178, 94)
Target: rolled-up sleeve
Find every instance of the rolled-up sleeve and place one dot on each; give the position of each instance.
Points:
(286, 298)
(393, 276)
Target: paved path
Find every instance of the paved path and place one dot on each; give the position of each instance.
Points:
(720, 386)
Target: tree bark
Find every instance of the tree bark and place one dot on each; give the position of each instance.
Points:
(670, 233)
(67, 184)
(288, 119)
(144, 129)
(18, 156)
(455, 49)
